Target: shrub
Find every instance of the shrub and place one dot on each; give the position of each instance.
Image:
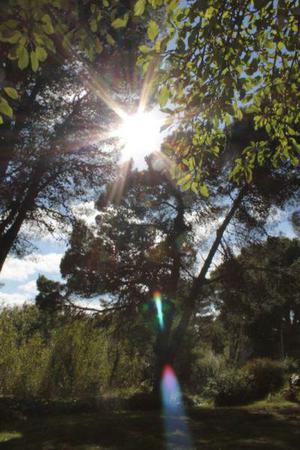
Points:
(254, 381)
(232, 387)
(206, 368)
(267, 376)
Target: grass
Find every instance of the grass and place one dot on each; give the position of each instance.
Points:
(260, 426)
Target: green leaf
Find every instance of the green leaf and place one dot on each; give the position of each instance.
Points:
(171, 5)
(144, 49)
(186, 186)
(152, 30)
(49, 44)
(163, 96)
(5, 108)
(11, 23)
(98, 46)
(185, 179)
(194, 187)
(121, 22)
(93, 25)
(11, 92)
(12, 39)
(41, 53)
(139, 7)
(1, 120)
(203, 190)
(34, 61)
(110, 39)
(48, 27)
(209, 12)
(23, 57)
(280, 45)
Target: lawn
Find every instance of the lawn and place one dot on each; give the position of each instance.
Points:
(248, 428)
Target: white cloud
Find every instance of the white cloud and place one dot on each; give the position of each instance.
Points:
(21, 269)
(7, 299)
(29, 287)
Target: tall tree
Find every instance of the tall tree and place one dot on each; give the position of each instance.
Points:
(147, 246)
(55, 144)
(54, 158)
(258, 295)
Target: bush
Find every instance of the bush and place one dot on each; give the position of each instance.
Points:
(232, 387)
(254, 381)
(267, 376)
(205, 369)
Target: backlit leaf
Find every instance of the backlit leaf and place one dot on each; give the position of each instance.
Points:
(11, 92)
(48, 27)
(163, 96)
(41, 53)
(5, 108)
(152, 30)
(203, 190)
(34, 61)
(121, 22)
(23, 57)
(139, 7)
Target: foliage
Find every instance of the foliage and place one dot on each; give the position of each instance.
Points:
(221, 60)
(146, 239)
(48, 159)
(232, 387)
(35, 34)
(46, 356)
(258, 296)
(23, 353)
(267, 376)
(254, 381)
(205, 369)
(50, 296)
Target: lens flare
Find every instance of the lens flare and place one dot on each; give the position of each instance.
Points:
(159, 309)
(176, 428)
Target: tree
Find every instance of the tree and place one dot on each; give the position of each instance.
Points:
(52, 149)
(52, 159)
(146, 240)
(220, 60)
(37, 34)
(49, 298)
(258, 295)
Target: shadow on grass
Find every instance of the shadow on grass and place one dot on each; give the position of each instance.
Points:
(215, 429)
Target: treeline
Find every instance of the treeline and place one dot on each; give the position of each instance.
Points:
(63, 356)
(241, 348)
(48, 358)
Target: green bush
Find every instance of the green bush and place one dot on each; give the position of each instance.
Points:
(206, 368)
(232, 387)
(267, 376)
(258, 378)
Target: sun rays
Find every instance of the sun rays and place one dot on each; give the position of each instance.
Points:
(139, 134)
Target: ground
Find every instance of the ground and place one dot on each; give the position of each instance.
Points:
(256, 427)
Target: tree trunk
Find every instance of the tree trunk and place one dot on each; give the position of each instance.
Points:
(8, 239)
(163, 358)
(189, 304)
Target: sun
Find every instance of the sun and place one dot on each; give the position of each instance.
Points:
(140, 134)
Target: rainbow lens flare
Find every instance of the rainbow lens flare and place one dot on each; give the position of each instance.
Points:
(159, 308)
(176, 428)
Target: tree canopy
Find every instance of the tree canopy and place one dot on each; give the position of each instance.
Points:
(219, 61)
(258, 295)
